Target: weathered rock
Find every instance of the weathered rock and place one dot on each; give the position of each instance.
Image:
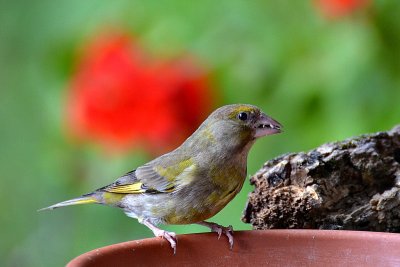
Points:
(353, 184)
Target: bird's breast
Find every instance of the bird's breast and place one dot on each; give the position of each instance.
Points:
(204, 200)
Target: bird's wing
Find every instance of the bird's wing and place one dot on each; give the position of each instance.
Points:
(158, 176)
(126, 184)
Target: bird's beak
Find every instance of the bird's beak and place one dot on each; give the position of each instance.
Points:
(266, 126)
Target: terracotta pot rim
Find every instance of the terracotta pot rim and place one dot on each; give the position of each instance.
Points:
(279, 240)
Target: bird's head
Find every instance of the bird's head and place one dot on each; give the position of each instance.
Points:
(243, 119)
(235, 126)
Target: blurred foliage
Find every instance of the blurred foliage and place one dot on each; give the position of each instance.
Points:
(325, 79)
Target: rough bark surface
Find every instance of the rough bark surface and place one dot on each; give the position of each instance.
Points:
(353, 184)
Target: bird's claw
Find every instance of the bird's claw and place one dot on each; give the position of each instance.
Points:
(169, 236)
(219, 232)
(228, 231)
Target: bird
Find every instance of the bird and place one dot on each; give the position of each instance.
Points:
(195, 181)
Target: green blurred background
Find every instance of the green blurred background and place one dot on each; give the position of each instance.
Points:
(324, 78)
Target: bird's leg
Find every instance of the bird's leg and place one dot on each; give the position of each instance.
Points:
(219, 229)
(169, 236)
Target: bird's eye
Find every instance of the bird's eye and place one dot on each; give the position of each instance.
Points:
(242, 116)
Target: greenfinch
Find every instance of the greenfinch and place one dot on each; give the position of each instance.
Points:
(193, 182)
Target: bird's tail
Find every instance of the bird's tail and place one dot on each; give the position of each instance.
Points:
(85, 199)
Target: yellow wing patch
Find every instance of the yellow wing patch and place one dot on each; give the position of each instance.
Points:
(170, 173)
(135, 188)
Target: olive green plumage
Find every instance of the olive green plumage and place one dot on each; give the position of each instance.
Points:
(193, 182)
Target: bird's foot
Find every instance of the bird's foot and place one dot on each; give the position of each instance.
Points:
(219, 229)
(169, 236)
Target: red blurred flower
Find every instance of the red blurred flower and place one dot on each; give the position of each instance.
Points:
(120, 98)
(338, 8)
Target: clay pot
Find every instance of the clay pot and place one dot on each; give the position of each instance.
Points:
(254, 248)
